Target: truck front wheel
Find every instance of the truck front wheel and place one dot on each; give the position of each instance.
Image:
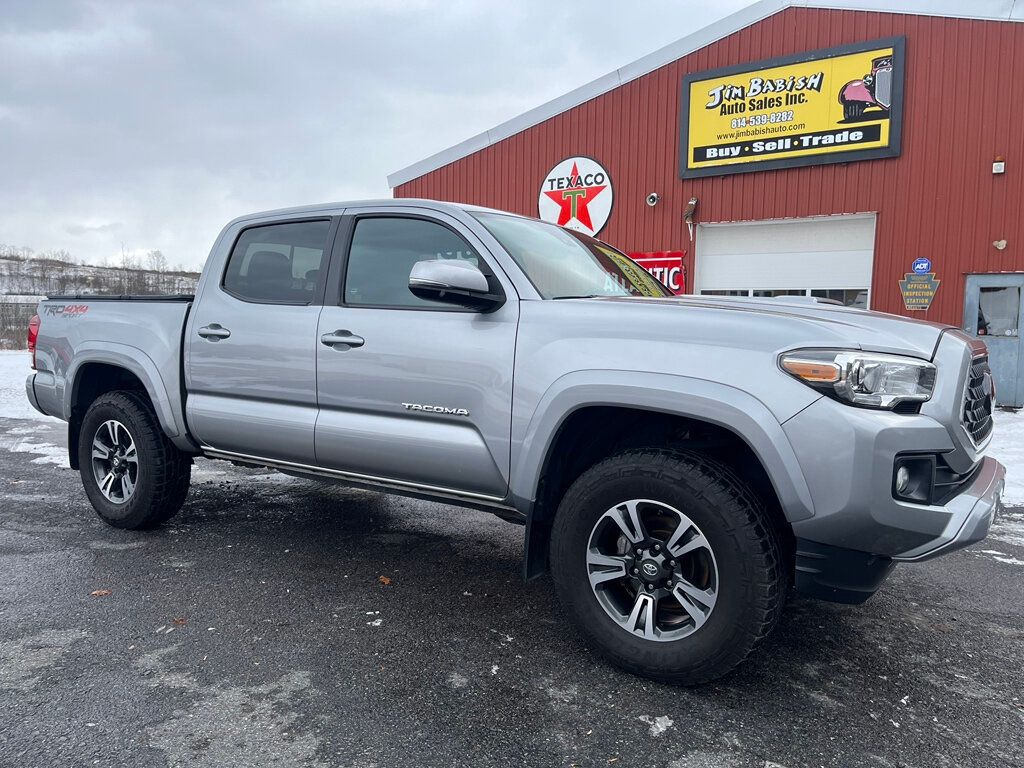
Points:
(853, 110)
(133, 475)
(668, 564)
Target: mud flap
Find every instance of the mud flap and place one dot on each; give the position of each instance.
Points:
(535, 554)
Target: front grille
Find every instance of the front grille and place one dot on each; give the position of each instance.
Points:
(883, 87)
(977, 415)
(946, 483)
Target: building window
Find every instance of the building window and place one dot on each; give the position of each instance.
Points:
(780, 292)
(998, 310)
(849, 297)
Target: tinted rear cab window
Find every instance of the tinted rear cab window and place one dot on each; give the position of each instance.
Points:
(278, 263)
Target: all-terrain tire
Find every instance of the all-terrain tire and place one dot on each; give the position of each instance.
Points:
(752, 579)
(164, 472)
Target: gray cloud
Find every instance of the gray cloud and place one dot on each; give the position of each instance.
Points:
(160, 122)
(89, 229)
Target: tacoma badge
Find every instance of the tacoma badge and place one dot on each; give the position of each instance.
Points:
(435, 409)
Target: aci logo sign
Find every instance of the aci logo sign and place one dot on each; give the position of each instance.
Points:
(922, 266)
(577, 194)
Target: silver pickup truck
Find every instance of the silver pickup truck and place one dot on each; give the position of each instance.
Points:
(679, 463)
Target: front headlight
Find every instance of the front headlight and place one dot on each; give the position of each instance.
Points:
(867, 379)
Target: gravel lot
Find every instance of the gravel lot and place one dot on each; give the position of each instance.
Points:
(256, 629)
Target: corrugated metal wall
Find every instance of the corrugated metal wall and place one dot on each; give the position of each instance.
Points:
(963, 105)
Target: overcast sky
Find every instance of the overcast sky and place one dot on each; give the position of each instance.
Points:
(150, 125)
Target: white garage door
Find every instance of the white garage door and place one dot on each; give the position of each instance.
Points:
(830, 257)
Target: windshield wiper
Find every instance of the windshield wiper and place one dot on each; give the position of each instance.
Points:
(584, 296)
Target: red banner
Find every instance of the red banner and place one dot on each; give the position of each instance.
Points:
(667, 266)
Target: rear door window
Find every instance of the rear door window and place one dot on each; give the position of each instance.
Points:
(278, 263)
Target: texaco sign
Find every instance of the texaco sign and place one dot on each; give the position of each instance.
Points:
(577, 194)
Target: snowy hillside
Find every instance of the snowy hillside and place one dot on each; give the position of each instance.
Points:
(25, 278)
(42, 275)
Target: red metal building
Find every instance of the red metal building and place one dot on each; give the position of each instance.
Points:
(935, 183)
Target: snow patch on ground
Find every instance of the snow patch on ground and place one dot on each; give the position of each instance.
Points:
(1009, 560)
(563, 695)
(658, 724)
(45, 453)
(1008, 447)
(1000, 557)
(702, 759)
(15, 366)
(455, 680)
(1009, 528)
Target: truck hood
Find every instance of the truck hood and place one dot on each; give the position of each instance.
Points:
(797, 320)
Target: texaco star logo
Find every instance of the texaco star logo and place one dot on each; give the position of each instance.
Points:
(577, 194)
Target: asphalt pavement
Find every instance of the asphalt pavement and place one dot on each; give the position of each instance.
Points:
(283, 622)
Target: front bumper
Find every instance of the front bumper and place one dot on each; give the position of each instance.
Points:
(859, 530)
(844, 575)
(847, 457)
(973, 511)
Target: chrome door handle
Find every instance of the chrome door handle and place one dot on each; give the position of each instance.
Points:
(344, 339)
(213, 332)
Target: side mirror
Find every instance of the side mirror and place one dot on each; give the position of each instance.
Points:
(453, 281)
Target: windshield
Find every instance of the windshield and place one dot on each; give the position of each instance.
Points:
(563, 264)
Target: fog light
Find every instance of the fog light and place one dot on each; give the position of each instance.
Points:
(902, 480)
(913, 478)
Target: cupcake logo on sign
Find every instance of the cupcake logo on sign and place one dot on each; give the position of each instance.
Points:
(577, 194)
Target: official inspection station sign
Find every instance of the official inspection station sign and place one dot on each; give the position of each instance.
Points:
(830, 106)
(919, 288)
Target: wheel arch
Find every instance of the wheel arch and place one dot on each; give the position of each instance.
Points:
(648, 410)
(98, 370)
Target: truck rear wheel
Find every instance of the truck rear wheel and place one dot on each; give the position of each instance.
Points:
(133, 475)
(668, 564)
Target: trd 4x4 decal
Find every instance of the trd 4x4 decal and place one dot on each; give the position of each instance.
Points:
(65, 310)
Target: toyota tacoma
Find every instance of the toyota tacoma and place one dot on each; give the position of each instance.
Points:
(680, 463)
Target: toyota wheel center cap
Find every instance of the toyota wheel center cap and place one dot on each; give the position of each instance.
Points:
(650, 569)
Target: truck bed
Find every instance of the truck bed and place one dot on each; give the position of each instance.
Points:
(186, 297)
(140, 334)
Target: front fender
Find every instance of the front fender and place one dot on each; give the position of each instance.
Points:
(167, 404)
(856, 90)
(715, 403)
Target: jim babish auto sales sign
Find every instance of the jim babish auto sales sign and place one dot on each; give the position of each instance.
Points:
(829, 106)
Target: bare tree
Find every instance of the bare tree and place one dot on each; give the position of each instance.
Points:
(157, 261)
